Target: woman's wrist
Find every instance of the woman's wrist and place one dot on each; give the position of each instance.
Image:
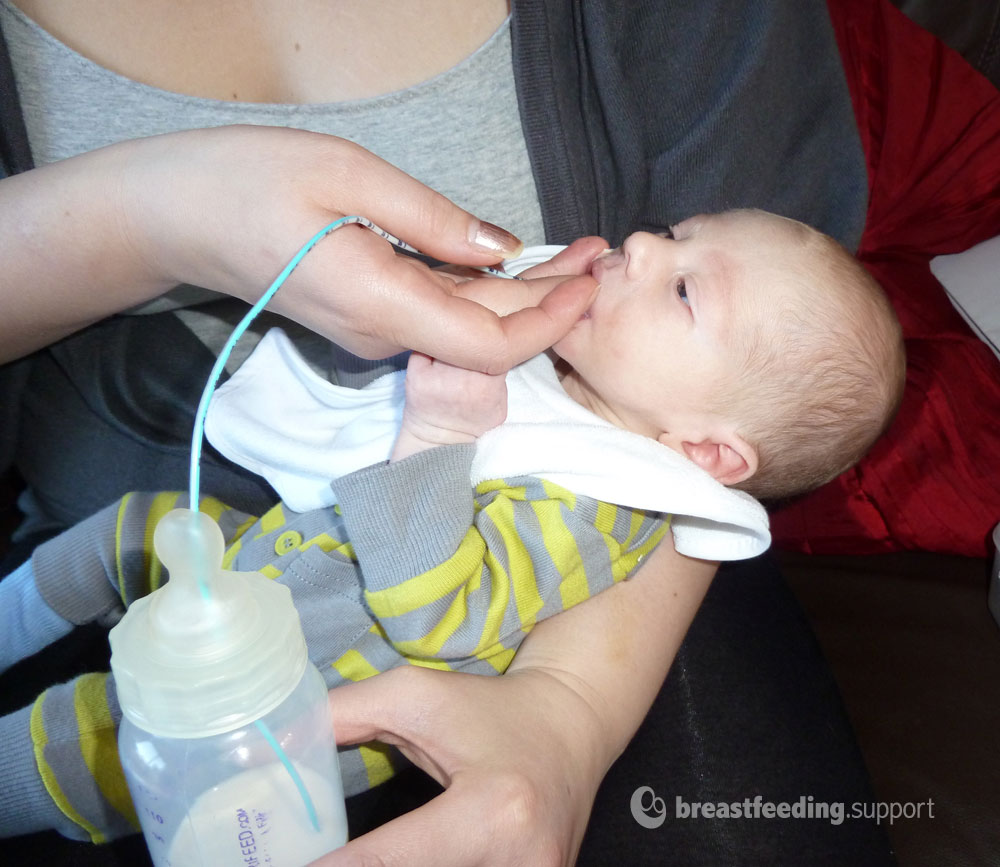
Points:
(611, 654)
(576, 721)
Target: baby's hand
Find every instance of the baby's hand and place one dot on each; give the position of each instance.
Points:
(447, 404)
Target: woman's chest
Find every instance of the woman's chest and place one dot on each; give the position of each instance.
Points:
(303, 51)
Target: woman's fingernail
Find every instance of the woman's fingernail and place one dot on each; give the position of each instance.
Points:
(493, 239)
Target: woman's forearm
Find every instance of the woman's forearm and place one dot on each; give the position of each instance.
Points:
(226, 209)
(614, 651)
(68, 260)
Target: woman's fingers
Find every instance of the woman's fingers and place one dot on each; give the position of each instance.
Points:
(575, 259)
(480, 339)
(516, 799)
(466, 826)
(357, 291)
(507, 296)
(362, 183)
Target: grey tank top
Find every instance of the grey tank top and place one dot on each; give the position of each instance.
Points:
(459, 132)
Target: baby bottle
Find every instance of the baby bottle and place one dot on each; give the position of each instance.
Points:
(226, 738)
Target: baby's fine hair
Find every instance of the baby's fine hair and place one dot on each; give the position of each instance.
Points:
(820, 386)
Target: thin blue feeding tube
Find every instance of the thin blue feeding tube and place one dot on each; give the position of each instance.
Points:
(195, 478)
(198, 434)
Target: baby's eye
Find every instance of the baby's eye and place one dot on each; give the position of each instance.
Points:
(682, 291)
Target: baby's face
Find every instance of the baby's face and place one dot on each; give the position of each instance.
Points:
(668, 326)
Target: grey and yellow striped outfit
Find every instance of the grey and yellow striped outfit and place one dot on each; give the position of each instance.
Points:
(413, 567)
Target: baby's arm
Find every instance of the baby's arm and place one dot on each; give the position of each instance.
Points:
(106, 561)
(447, 405)
(67, 582)
(455, 573)
(27, 623)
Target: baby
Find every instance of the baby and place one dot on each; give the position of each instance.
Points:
(751, 343)
(744, 344)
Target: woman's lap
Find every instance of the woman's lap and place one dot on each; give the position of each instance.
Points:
(749, 708)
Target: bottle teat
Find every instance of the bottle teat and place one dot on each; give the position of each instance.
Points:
(197, 600)
(211, 649)
(191, 546)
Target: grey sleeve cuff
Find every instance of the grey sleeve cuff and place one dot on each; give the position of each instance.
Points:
(75, 572)
(25, 805)
(407, 517)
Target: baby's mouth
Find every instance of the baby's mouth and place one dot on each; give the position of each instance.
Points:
(586, 313)
(607, 259)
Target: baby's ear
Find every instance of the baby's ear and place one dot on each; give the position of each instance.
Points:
(729, 460)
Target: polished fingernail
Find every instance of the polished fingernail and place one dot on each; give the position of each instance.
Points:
(493, 239)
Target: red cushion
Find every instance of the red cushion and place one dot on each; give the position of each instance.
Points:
(930, 126)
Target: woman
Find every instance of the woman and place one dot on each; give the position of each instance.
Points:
(572, 119)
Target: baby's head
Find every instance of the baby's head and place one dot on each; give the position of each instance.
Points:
(755, 345)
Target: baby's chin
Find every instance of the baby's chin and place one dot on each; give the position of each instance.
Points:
(563, 350)
(558, 351)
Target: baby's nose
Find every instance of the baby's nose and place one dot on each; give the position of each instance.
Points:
(644, 251)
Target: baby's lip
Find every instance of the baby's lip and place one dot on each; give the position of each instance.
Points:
(607, 259)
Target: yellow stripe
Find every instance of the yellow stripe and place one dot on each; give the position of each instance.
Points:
(605, 522)
(162, 503)
(377, 762)
(118, 545)
(438, 664)
(212, 507)
(500, 587)
(557, 492)
(326, 542)
(271, 521)
(606, 516)
(353, 666)
(40, 740)
(623, 561)
(99, 743)
(231, 552)
(514, 493)
(431, 643)
(561, 545)
(432, 585)
(634, 526)
(269, 571)
(521, 570)
(501, 660)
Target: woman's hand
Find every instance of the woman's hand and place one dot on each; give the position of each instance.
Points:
(516, 795)
(226, 209)
(446, 404)
(522, 755)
